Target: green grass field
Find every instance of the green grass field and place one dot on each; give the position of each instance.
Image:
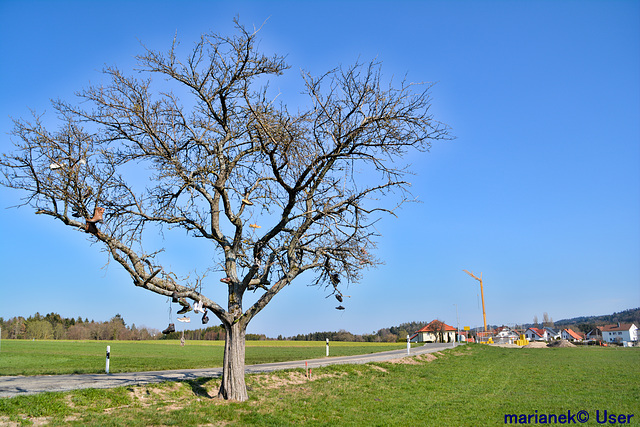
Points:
(22, 357)
(471, 385)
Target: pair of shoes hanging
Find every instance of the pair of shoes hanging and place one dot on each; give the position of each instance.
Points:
(337, 308)
(184, 319)
(170, 328)
(197, 307)
(225, 280)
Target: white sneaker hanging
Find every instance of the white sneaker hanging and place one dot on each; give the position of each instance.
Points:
(184, 319)
(197, 307)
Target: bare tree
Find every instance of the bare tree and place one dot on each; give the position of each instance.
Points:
(547, 321)
(273, 191)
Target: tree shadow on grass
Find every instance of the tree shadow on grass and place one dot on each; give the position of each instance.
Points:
(198, 386)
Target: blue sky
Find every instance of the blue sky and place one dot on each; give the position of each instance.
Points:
(540, 190)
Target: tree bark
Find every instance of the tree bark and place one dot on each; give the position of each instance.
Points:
(233, 385)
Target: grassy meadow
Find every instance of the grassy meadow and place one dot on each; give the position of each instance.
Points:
(472, 385)
(24, 357)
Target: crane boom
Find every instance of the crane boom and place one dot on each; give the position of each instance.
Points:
(484, 314)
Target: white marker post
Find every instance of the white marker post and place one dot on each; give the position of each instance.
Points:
(108, 355)
(408, 345)
(327, 347)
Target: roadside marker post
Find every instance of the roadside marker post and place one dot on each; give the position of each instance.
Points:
(327, 347)
(408, 345)
(108, 355)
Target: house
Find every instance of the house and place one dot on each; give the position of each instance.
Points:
(571, 335)
(504, 334)
(552, 334)
(435, 331)
(536, 334)
(619, 333)
(594, 335)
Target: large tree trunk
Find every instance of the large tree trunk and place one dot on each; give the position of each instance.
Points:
(233, 385)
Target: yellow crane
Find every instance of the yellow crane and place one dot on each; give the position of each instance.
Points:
(479, 279)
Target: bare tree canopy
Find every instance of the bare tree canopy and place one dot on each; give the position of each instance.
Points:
(209, 151)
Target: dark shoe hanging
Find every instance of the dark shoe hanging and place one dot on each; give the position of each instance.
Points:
(170, 328)
(185, 309)
(205, 319)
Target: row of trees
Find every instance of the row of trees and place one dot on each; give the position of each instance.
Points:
(393, 334)
(343, 335)
(53, 326)
(210, 333)
(547, 321)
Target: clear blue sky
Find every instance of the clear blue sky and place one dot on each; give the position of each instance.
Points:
(540, 190)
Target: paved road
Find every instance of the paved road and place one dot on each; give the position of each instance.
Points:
(11, 386)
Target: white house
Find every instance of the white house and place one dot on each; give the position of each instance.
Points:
(536, 334)
(571, 335)
(621, 332)
(436, 331)
(504, 334)
(552, 334)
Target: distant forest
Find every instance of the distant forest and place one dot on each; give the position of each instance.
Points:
(587, 323)
(392, 334)
(53, 326)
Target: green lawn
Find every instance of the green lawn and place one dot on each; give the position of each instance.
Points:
(23, 357)
(473, 385)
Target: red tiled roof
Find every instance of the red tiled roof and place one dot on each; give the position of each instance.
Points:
(573, 334)
(434, 326)
(622, 327)
(537, 331)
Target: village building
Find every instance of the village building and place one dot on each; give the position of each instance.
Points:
(552, 334)
(571, 335)
(536, 334)
(594, 335)
(504, 334)
(620, 333)
(435, 331)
